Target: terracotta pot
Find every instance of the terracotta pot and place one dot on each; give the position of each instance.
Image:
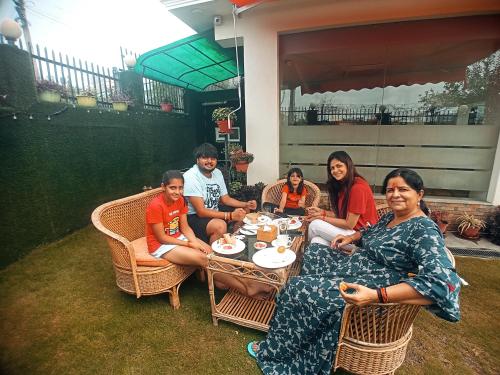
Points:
(166, 107)
(224, 127)
(471, 233)
(241, 166)
(442, 226)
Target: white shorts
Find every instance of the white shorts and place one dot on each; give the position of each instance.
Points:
(163, 249)
(323, 233)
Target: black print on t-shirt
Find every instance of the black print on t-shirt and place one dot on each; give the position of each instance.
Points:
(213, 196)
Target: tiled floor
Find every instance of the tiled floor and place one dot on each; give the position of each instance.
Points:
(452, 241)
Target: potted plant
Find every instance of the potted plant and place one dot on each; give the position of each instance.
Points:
(441, 219)
(220, 116)
(468, 226)
(49, 91)
(240, 159)
(86, 98)
(166, 104)
(120, 101)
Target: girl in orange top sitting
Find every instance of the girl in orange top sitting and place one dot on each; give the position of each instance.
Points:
(293, 194)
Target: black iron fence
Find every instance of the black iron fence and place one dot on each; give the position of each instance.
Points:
(78, 76)
(366, 115)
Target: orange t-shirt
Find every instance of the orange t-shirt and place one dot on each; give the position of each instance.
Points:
(292, 199)
(159, 212)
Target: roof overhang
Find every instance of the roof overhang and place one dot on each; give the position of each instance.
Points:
(394, 54)
(194, 63)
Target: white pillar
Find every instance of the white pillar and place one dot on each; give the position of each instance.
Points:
(262, 104)
(494, 190)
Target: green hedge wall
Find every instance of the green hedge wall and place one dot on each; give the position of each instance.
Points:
(55, 172)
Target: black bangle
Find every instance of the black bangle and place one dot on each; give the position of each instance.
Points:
(379, 294)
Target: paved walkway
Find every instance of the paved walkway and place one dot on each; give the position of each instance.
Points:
(452, 241)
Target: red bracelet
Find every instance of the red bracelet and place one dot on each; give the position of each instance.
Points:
(383, 291)
(324, 214)
(230, 216)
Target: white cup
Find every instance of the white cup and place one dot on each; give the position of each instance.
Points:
(284, 240)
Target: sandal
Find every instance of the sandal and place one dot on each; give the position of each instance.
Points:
(250, 350)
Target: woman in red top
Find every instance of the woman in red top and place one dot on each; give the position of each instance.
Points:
(351, 200)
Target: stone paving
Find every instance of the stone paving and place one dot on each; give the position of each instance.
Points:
(453, 241)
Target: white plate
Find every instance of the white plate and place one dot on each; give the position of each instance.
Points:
(248, 232)
(270, 258)
(276, 244)
(262, 219)
(259, 245)
(226, 249)
(250, 226)
(291, 226)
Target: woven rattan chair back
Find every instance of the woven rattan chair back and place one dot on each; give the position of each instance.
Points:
(272, 193)
(123, 221)
(382, 209)
(127, 218)
(373, 338)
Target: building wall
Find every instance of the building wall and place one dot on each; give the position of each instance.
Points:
(260, 27)
(453, 207)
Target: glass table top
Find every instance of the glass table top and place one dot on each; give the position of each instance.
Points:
(250, 239)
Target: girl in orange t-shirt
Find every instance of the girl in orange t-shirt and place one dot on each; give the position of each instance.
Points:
(293, 194)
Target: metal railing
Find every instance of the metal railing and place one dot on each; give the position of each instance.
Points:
(366, 115)
(78, 76)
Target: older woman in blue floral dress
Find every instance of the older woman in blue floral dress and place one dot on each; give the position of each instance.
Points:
(303, 334)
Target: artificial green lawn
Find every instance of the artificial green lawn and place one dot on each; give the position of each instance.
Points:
(61, 313)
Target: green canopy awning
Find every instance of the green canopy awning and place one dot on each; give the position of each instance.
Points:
(194, 63)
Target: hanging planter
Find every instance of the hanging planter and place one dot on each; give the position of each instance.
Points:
(49, 91)
(240, 159)
(166, 104)
(241, 166)
(225, 126)
(50, 96)
(120, 101)
(220, 116)
(86, 98)
(120, 106)
(166, 107)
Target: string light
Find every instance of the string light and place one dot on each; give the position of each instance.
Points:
(14, 117)
(31, 117)
(48, 118)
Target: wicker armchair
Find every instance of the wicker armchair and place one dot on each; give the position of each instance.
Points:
(373, 338)
(123, 223)
(272, 193)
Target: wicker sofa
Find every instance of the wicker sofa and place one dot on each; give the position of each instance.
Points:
(123, 223)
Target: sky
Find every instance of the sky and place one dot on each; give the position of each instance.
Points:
(94, 30)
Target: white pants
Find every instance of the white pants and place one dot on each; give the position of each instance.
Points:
(323, 233)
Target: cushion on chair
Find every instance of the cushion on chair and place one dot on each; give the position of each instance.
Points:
(142, 256)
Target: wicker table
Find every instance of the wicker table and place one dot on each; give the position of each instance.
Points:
(243, 310)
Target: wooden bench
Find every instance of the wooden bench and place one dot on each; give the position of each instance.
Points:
(123, 223)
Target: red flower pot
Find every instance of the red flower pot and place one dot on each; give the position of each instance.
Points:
(166, 107)
(241, 166)
(224, 126)
(471, 233)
